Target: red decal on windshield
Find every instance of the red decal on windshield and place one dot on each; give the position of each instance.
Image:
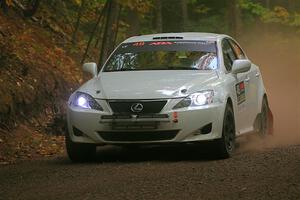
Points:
(161, 43)
(138, 44)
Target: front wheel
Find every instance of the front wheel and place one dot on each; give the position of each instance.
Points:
(226, 145)
(79, 152)
(264, 125)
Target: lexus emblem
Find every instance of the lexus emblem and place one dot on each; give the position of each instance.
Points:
(137, 107)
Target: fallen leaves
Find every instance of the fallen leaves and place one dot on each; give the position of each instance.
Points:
(25, 143)
(37, 75)
(35, 71)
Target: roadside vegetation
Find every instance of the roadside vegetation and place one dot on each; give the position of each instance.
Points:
(44, 43)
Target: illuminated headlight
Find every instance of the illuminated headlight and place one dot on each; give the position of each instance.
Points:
(196, 99)
(83, 100)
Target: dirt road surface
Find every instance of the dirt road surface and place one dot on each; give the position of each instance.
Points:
(158, 173)
(258, 170)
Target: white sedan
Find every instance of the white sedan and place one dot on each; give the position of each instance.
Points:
(169, 88)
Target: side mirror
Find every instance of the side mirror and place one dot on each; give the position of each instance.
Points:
(241, 66)
(90, 68)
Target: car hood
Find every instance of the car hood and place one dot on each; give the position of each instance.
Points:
(148, 84)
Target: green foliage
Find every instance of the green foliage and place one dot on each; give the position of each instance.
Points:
(142, 7)
(277, 15)
(296, 20)
(201, 9)
(255, 8)
(213, 23)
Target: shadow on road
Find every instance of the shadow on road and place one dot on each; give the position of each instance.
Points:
(168, 153)
(189, 152)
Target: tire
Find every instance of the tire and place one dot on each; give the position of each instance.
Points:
(226, 145)
(264, 124)
(80, 152)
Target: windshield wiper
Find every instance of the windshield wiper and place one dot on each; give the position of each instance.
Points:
(120, 70)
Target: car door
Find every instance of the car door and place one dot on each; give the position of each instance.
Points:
(252, 81)
(240, 86)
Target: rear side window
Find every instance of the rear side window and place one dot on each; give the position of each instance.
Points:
(228, 54)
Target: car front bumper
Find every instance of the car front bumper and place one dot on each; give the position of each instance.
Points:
(183, 125)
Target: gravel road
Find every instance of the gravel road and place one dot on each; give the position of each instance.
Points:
(177, 172)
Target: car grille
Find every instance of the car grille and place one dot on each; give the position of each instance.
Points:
(138, 135)
(124, 107)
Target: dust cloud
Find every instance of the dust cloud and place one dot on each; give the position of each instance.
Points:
(278, 56)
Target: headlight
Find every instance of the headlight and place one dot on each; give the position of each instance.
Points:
(196, 99)
(84, 100)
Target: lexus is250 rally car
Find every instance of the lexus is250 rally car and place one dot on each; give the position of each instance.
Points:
(169, 88)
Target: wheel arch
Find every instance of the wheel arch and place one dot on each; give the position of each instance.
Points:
(230, 102)
(256, 124)
(260, 100)
(265, 96)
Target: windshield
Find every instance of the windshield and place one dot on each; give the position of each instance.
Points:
(164, 55)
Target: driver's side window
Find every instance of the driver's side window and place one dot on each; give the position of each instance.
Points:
(228, 54)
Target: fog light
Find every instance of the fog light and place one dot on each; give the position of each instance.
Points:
(206, 129)
(77, 132)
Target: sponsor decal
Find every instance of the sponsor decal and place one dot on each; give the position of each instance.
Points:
(138, 44)
(240, 92)
(160, 43)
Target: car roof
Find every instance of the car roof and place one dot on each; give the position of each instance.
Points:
(177, 36)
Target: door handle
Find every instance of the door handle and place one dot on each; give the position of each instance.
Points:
(257, 74)
(247, 79)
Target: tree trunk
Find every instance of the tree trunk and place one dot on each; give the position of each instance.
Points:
(110, 28)
(79, 15)
(267, 4)
(134, 23)
(266, 26)
(184, 15)
(116, 29)
(100, 32)
(172, 16)
(234, 18)
(32, 8)
(94, 31)
(291, 5)
(4, 6)
(158, 16)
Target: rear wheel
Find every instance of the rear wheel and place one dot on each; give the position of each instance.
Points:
(80, 152)
(226, 144)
